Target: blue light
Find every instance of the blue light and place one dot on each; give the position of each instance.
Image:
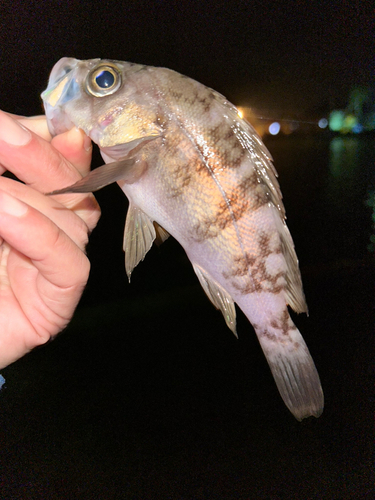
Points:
(323, 122)
(274, 128)
(357, 129)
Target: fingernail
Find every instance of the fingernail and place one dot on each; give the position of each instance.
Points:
(77, 135)
(86, 141)
(13, 132)
(11, 206)
(87, 144)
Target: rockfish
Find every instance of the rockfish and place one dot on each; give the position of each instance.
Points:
(192, 168)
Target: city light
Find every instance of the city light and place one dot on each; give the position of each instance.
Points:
(323, 122)
(274, 128)
(336, 120)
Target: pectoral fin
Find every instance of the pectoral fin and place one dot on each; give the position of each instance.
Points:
(138, 237)
(218, 296)
(127, 170)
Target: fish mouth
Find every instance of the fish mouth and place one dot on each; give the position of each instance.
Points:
(57, 121)
(62, 88)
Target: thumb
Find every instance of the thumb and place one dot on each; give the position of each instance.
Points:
(76, 147)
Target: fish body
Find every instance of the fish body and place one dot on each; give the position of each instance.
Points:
(192, 168)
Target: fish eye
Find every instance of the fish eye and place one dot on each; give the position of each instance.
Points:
(103, 80)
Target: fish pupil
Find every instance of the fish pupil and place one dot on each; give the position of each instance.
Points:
(105, 79)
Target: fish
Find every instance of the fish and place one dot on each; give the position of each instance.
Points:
(192, 168)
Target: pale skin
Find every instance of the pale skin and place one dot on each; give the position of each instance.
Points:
(43, 266)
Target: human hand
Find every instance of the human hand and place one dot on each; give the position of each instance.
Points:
(43, 266)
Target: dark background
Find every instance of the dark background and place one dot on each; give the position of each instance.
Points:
(292, 56)
(147, 394)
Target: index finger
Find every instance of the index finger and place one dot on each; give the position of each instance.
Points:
(31, 158)
(37, 124)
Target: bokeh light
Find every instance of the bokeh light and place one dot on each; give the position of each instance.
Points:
(274, 128)
(336, 120)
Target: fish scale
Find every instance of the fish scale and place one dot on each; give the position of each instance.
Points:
(192, 168)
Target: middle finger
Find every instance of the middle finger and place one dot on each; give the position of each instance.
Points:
(72, 224)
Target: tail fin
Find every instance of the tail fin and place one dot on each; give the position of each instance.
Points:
(294, 372)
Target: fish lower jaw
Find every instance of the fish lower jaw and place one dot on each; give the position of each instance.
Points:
(58, 123)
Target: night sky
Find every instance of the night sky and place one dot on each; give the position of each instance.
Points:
(286, 59)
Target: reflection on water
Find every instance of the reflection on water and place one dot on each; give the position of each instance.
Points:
(351, 183)
(343, 159)
(328, 185)
(370, 202)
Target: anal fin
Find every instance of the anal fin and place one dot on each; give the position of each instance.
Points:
(218, 296)
(161, 234)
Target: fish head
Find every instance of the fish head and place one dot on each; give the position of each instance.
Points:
(111, 101)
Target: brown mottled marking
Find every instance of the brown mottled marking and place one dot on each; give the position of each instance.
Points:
(216, 131)
(232, 209)
(258, 282)
(206, 102)
(230, 152)
(270, 336)
(203, 231)
(261, 279)
(239, 206)
(210, 226)
(241, 267)
(176, 94)
(182, 179)
(225, 148)
(229, 134)
(232, 157)
(285, 324)
(237, 161)
(264, 244)
(248, 182)
(258, 197)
